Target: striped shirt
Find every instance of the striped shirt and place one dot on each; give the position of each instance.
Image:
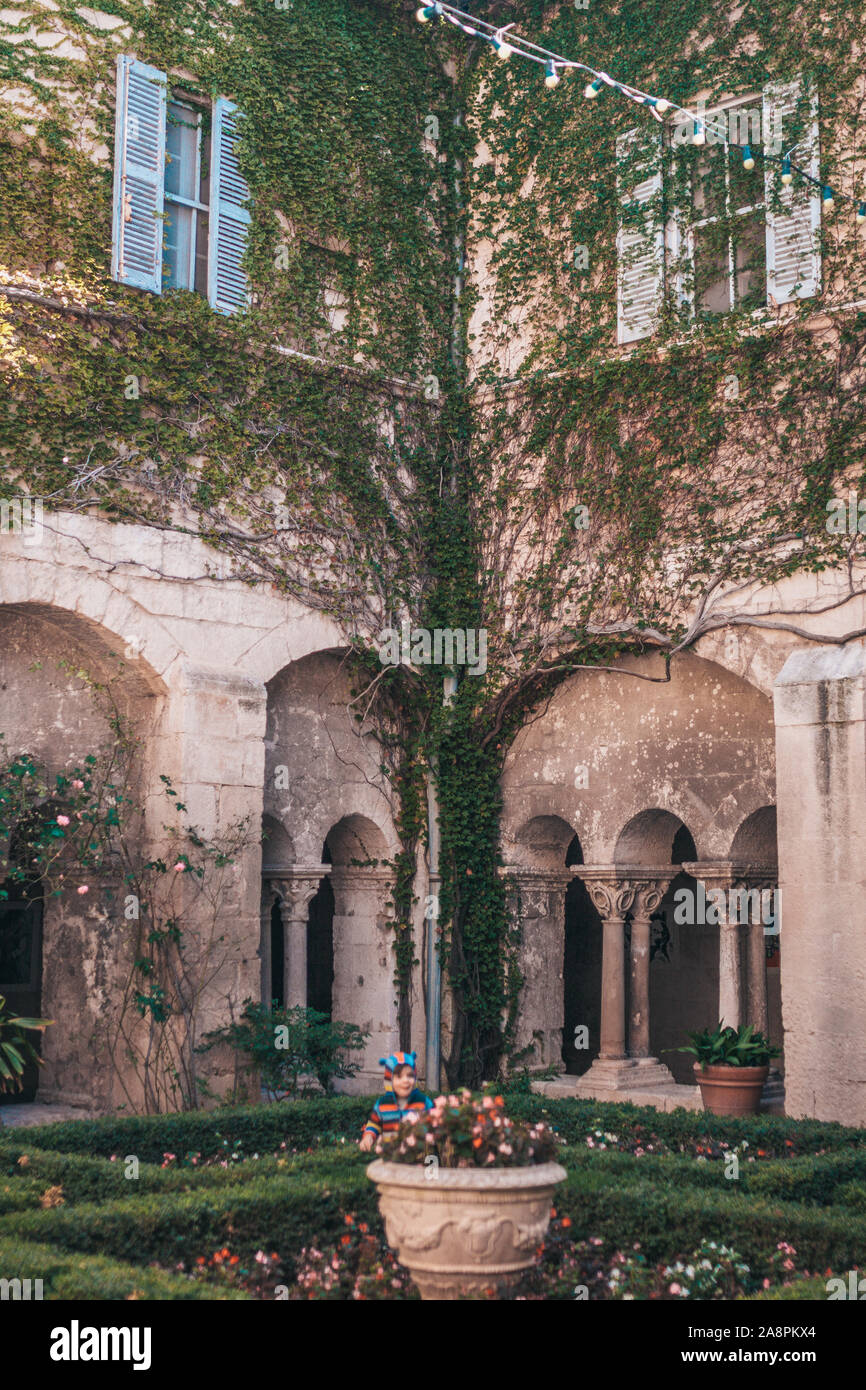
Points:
(388, 1111)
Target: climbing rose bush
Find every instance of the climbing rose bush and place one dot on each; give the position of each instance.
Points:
(469, 1132)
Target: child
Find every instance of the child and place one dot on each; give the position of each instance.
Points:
(401, 1098)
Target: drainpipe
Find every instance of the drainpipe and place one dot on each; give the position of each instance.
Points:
(434, 965)
(432, 1066)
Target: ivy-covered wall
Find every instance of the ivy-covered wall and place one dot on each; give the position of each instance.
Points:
(600, 505)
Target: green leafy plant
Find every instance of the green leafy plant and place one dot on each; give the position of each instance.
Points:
(16, 1050)
(730, 1047)
(286, 1045)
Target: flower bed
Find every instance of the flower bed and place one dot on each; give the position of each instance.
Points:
(220, 1209)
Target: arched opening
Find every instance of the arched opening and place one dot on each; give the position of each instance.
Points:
(581, 973)
(320, 944)
(21, 913)
(755, 847)
(684, 967)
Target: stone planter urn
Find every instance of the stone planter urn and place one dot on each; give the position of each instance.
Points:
(731, 1090)
(461, 1230)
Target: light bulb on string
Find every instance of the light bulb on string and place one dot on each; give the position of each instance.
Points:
(787, 176)
(861, 212)
(827, 196)
(428, 12)
(551, 76)
(748, 158)
(592, 89)
(662, 105)
(699, 136)
(502, 47)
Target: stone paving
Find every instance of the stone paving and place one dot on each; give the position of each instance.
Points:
(34, 1113)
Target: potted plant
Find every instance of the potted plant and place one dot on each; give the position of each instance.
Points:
(465, 1193)
(731, 1067)
(16, 1050)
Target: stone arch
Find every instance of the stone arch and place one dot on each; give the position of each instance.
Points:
(48, 712)
(755, 841)
(653, 838)
(542, 843)
(356, 839)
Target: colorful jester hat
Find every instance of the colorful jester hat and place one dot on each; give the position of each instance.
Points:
(397, 1059)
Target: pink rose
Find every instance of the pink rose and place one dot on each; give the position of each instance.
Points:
(84, 889)
(179, 866)
(78, 784)
(674, 1288)
(62, 820)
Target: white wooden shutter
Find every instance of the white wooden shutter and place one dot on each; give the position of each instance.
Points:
(227, 287)
(139, 175)
(793, 245)
(640, 235)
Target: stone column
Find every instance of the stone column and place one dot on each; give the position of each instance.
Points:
(648, 895)
(365, 992)
(540, 896)
(615, 891)
(296, 888)
(716, 880)
(755, 884)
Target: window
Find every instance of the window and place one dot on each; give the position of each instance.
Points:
(725, 242)
(187, 160)
(180, 201)
(702, 233)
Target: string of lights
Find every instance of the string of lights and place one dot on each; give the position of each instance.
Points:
(505, 43)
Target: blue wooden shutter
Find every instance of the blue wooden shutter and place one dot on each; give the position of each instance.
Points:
(139, 175)
(640, 247)
(227, 287)
(793, 213)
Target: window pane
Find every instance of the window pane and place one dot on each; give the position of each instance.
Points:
(712, 283)
(204, 182)
(177, 240)
(181, 140)
(750, 250)
(708, 182)
(201, 254)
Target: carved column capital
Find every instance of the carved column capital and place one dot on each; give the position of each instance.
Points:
(542, 891)
(616, 889)
(296, 887)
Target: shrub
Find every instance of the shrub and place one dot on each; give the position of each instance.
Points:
(70, 1276)
(284, 1045)
(253, 1127)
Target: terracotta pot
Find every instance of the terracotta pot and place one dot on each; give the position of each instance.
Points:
(461, 1230)
(731, 1090)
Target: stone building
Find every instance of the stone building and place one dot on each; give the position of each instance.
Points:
(624, 802)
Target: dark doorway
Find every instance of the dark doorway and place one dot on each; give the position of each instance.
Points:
(278, 993)
(320, 950)
(21, 968)
(581, 1031)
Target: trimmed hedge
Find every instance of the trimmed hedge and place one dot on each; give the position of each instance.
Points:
(260, 1128)
(282, 1214)
(672, 1221)
(821, 1181)
(65, 1275)
(96, 1179)
(575, 1119)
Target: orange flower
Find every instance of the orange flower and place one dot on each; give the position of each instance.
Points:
(201, 1260)
(552, 1212)
(363, 1228)
(476, 1143)
(566, 1221)
(234, 1259)
(345, 1240)
(762, 1153)
(498, 1100)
